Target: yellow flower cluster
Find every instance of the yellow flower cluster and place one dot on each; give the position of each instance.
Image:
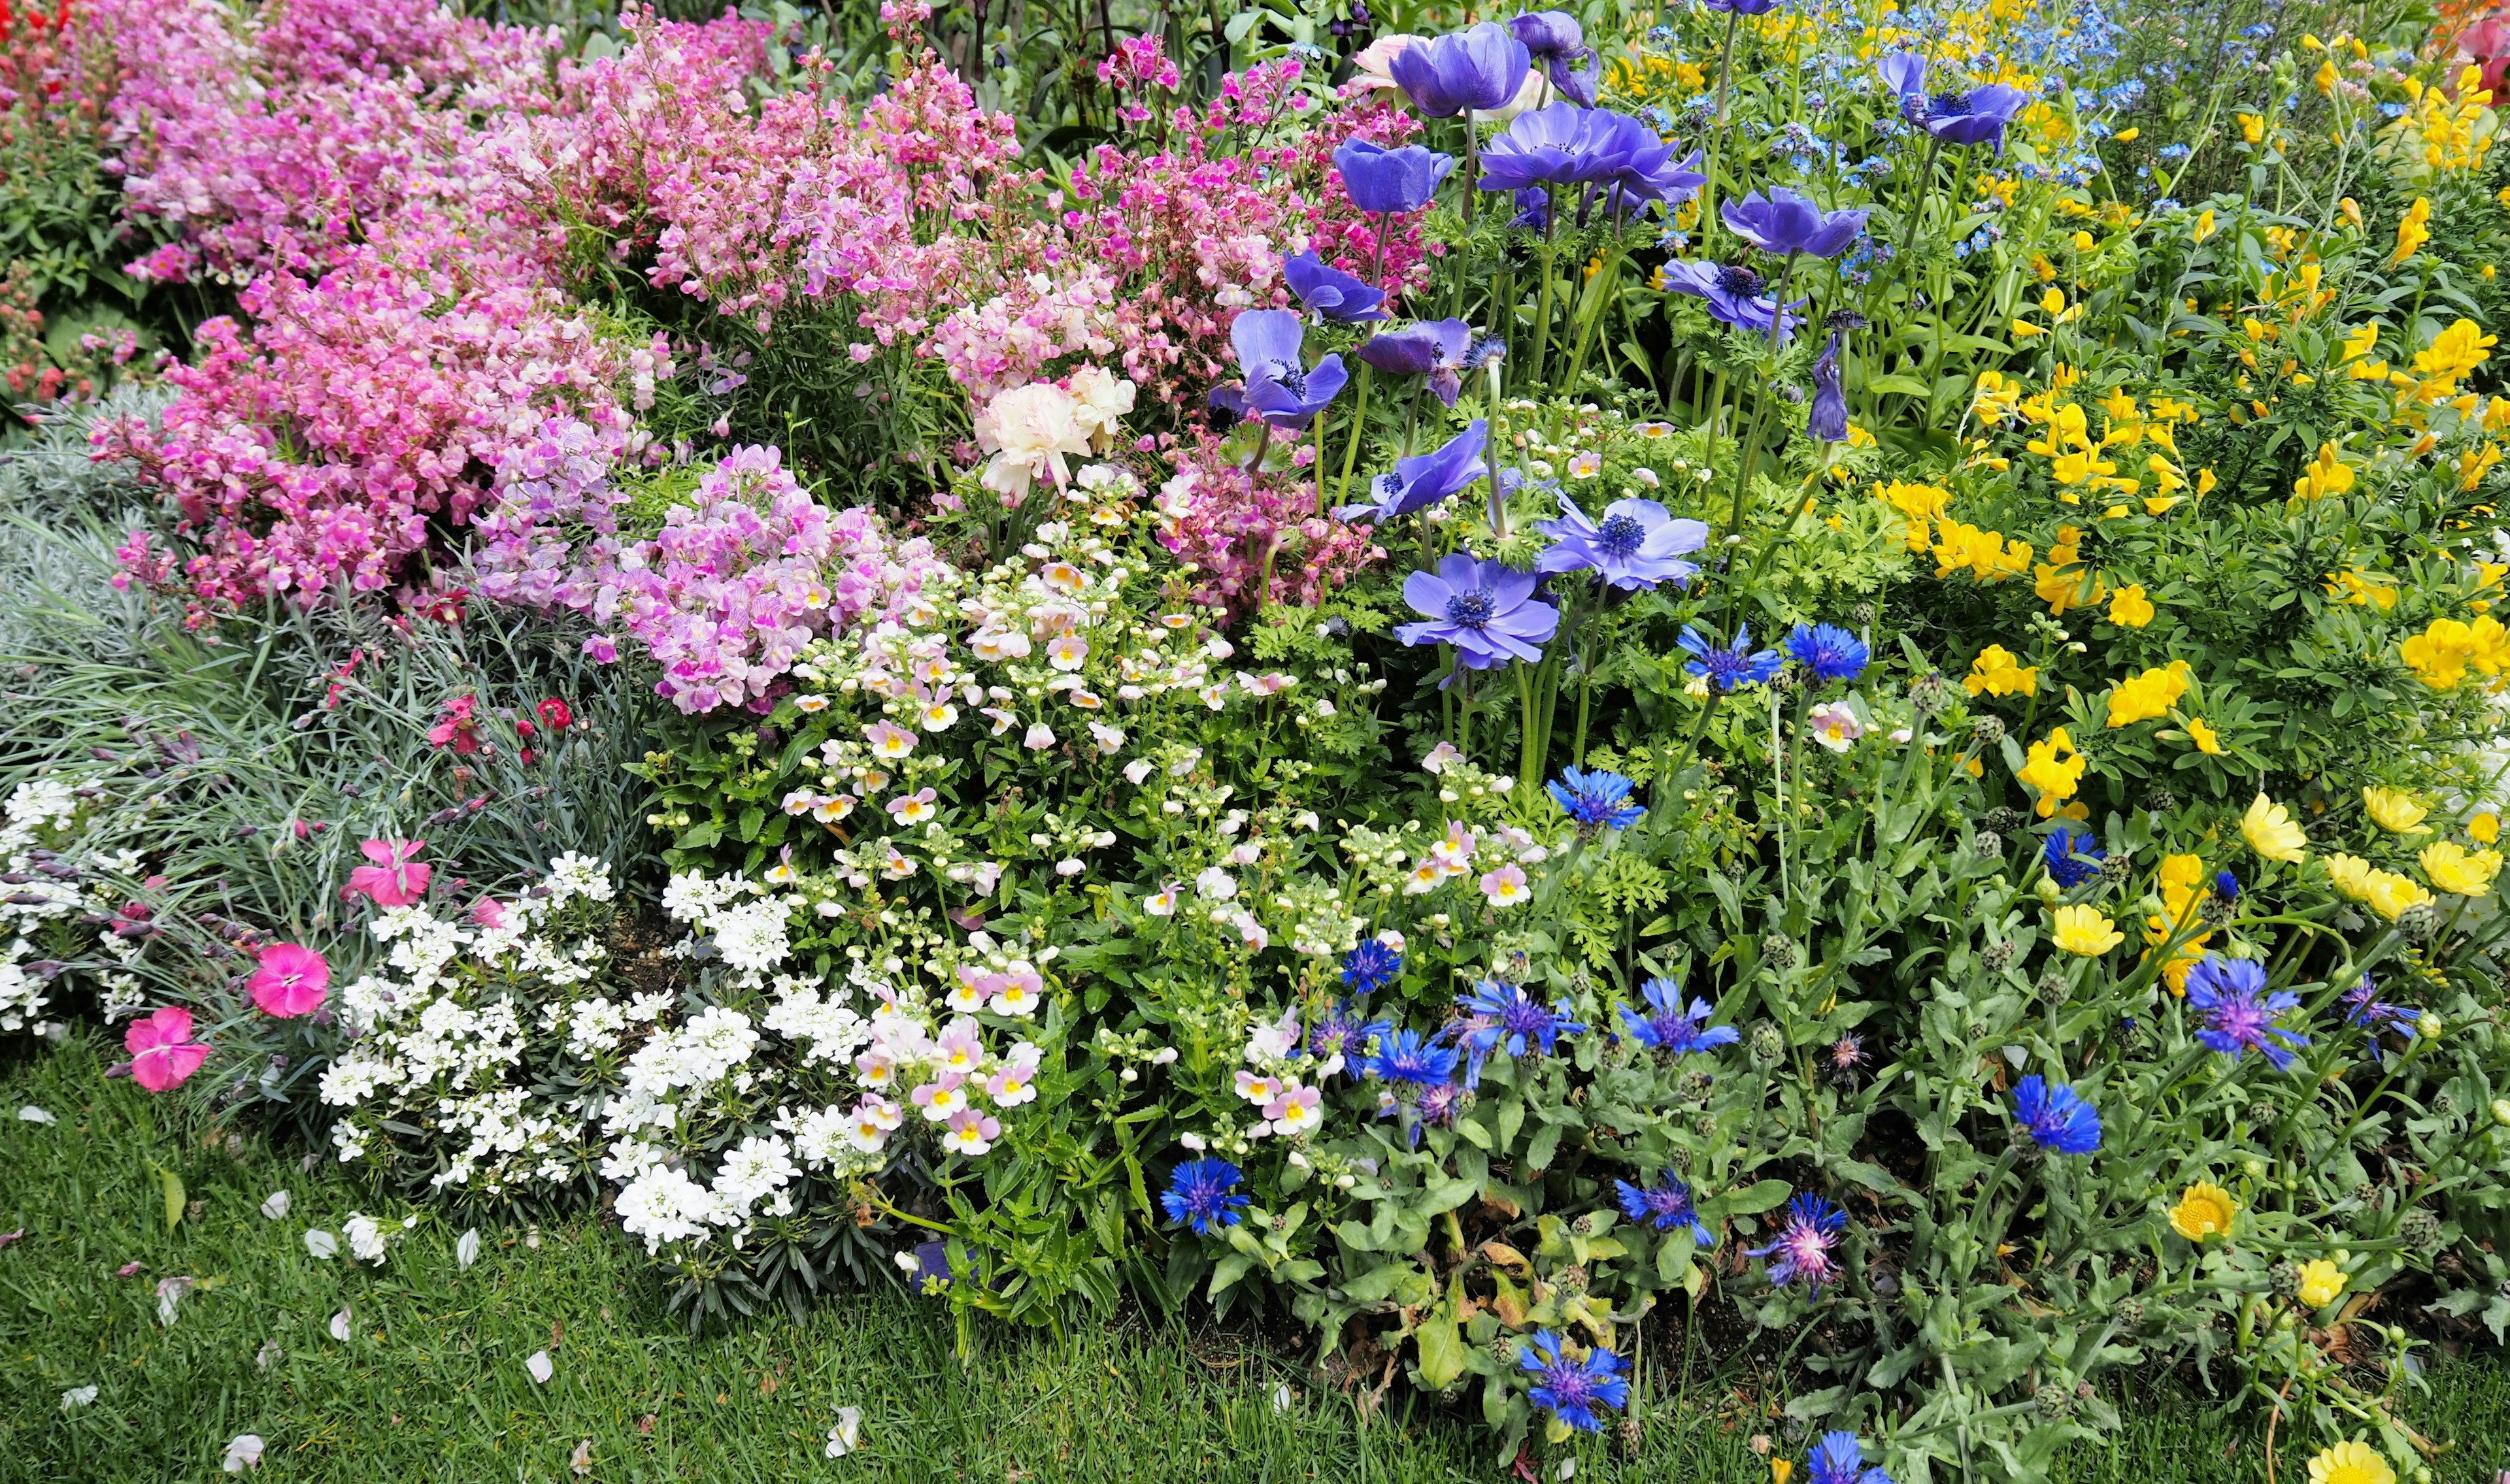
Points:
(1985, 555)
(2054, 770)
(2368, 590)
(2413, 229)
(2151, 693)
(1920, 504)
(1996, 673)
(2386, 893)
(2324, 475)
(2181, 885)
(2063, 581)
(2440, 655)
(2445, 133)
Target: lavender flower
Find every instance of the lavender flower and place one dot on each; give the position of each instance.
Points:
(1734, 294)
(1802, 1246)
(1486, 609)
(1596, 801)
(1784, 223)
(1730, 670)
(1830, 652)
(2071, 858)
(1636, 545)
(1436, 349)
(1383, 181)
(1664, 1205)
(2055, 1119)
(1556, 40)
(2362, 1008)
(1480, 68)
(1571, 1390)
(1672, 1029)
(1425, 478)
(2239, 1015)
(1200, 1195)
(1503, 1018)
(1329, 293)
(1828, 421)
(1280, 388)
(1371, 965)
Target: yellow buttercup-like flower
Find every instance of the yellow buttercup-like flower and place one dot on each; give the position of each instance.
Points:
(2270, 830)
(2458, 871)
(2391, 895)
(2083, 930)
(2351, 875)
(2144, 697)
(2054, 768)
(2395, 811)
(2204, 1209)
(2486, 827)
(1995, 672)
(2320, 1283)
(2203, 736)
(2129, 608)
(2350, 1461)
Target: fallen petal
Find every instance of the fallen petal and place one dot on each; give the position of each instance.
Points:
(847, 1434)
(581, 1461)
(539, 1365)
(268, 1356)
(467, 1250)
(275, 1205)
(340, 1326)
(30, 1113)
(244, 1453)
(77, 1396)
(322, 1243)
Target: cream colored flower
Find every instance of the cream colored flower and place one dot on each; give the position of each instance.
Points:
(1100, 401)
(2270, 830)
(1029, 430)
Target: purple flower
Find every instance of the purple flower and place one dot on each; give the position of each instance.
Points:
(1340, 1032)
(1437, 1105)
(1425, 478)
(1533, 209)
(2057, 1118)
(1664, 1205)
(1280, 388)
(1840, 1458)
(1329, 293)
(1554, 39)
(1372, 965)
(1404, 1056)
(1597, 800)
(1828, 420)
(1637, 545)
(1802, 1246)
(1672, 1029)
(1734, 294)
(1446, 75)
(1503, 1018)
(1732, 668)
(1199, 1194)
(1829, 651)
(2364, 1008)
(1783, 223)
(1741, 7)
(1563, 144)
(1435, 349)
(1486, 609)
(1381, 180)
(931, 1267)
(1571, 1390)
(2071, 858)
(2239, 1015)
(1976, 117)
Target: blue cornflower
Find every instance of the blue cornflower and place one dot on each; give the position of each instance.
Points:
(1571, 1390)
(1664, 1205)
(1840, 1458)
(1829, 651)
(1372, 965)
(1504, 1017)
(1595, 800)
(2364, 1008)
(1406, 1056)
(2239, 1014)
(2056, 1119)
(2227, 886)
(1732, 668)
(1802, 1248)
(2071, 858)
(1340, 1032)
(1200, 1195)
(1672, 1028)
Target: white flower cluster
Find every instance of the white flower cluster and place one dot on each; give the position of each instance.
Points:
(49, 873)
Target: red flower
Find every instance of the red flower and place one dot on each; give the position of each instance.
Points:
(394, 880)
(293, 980)
(459, 729)
(163, 1055)
(554, 714)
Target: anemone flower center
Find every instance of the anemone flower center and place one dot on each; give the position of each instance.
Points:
(1472, 610)
(1619, 535)
(1948, 105)
(1290, 374)
(1738, 281)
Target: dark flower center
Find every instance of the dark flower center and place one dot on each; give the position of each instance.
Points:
(1740, 282)
(1948, 105)
(1472, 610)
(1620, 536)
(1290, 374)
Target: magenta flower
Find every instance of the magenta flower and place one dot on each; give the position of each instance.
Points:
(1803, 1246)
(291, 981)
(163, 1054)
(396, 879)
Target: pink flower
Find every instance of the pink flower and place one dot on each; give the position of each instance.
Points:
(393, 879)
(291, 981)
(1298, 1110)
(1505, 887)
(488, 912)
(458, 729)
(970, 1132)
(163, 1056)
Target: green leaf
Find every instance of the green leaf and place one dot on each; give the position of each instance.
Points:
(1442, 1343)
(1906, 386)
(1754, 1198)
(172, 1185)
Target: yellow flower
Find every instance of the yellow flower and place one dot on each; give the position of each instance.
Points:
(2252, 128)
(2270, 830)
(2205, 223)
(1781, 1470)
(2142, 697)
(2204, 1209)
(2392, 894)
(2327, 474)
(2055, 770)
(2203, 736)
(2350, 1461)
(2320, 1283)
(2454, 351)
(2458, 871)
(2440, 655)
(2395, 811)
(2351, 875)
(2129, 608)
(1995, 673)
(2412, 233)
(2083, 930)
(2486, 827)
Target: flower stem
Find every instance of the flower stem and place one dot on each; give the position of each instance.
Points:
(1717, 134)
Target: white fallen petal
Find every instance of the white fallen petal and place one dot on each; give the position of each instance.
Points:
(169, 1293)
(1281, 1398)
(77, 1396)
(244, 1453)
(581, 1460)
(322, 1243)
(467, 1250)
(268, 1356)
(847, 1434)
(340, 1326)
(539, 1365)
(275, 1205)
(30, 1113)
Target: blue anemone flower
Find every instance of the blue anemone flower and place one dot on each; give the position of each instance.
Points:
(1595, 800)
(1637, 545)
(1827, 422)
(1435, 349)
(2055, 1118)
(1425, 478)
(1280, 388)
(1480, 68)
(1486, 609)
(1380, 181)
(1200, 1195)
(1783, 223)
(1329, 293)
(1733, 296)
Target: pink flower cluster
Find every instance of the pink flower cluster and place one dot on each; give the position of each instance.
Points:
(1254, 540)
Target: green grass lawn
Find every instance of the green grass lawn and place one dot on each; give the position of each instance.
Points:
(432, 1382)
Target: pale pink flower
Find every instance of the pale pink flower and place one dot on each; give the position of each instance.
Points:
(394, 880)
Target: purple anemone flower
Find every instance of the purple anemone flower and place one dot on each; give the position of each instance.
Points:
(1504, 1017)
(1671, 1028)
(1554, 40)
(1978, 116)
(2055, 1117)
(1425, 478)
(1734, 294)
(1563, 144)
(1741, 7)
(1280, 388)
(1840, 1458)
(1803, 1246)
(1730, 670)
(1830, 652)
(1200, 1195)
(1435, 349)
(1486, 609)
(2239, 1015)
(1828, 420)
(1329, 293)
(1571, 1390)
(1783, 223)
(1383, 181)
(1664, 1205)
(1636, 545)
(1480, 68)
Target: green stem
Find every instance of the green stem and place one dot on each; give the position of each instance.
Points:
(1717, 137)
(1350, 445)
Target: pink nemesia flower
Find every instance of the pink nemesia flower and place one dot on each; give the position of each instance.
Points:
(163, 1056)
(971, 1133)
(941, 1098)
(394, 880)
(1505, 887)
(1298, 1110)
(291, 981)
